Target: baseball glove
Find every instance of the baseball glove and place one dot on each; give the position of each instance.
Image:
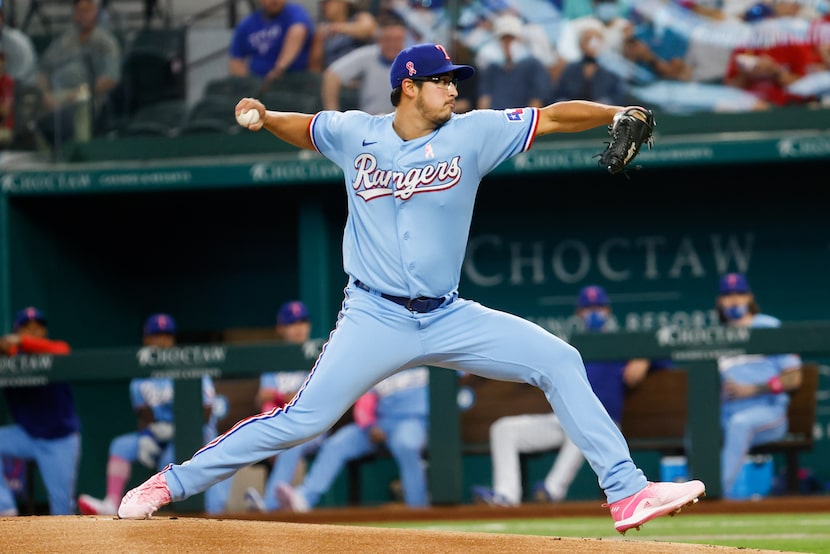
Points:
(628, 134)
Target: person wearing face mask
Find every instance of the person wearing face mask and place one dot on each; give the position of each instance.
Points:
(511, 436)
(587, 79)
(754, 388)
(607, 17)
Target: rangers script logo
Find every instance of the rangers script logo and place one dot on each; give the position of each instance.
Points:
(372, 182)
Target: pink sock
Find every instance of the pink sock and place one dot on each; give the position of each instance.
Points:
(118, 473)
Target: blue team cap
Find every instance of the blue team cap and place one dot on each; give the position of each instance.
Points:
(160, 324)
(733, 283)
(759, 11)
(593, 295)
(423, 60)
(292, 312)
(28, 314)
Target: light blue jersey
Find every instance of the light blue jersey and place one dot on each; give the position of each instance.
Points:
(405, 394)
(755, 370)
(757, 419)
(156, 393)
(410, 209)
(411, 202)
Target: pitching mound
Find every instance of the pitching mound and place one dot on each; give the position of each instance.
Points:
(163, 535)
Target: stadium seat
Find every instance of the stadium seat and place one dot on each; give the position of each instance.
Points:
(233, 86)
(211, 114)
(163, 118)
(291, 101)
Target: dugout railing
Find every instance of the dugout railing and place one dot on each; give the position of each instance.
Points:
(695, 348)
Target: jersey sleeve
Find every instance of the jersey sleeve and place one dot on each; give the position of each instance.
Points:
(136, 397)
(38, 345)
(326, 130)
(298, 14)
(515, 127)
(208, 391)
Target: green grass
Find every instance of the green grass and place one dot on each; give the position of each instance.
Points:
(784, 532)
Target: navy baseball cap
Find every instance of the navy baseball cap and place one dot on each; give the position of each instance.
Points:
(160, 324)
(28, 314)
(423, 60)
(593, 295)
(292, 312)
(733, 283)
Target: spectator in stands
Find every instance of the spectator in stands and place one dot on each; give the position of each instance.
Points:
(516, 79)
(660, 52)
(754, 389)
(77, 72)
(21, 58)
(511, 436)
(394, 413)
(369, 65)
(770, 61)
(276, 388)
(484, 42)
(6, 104)
(344, 27)
(45, 425)
(586, 79)
(427, 20)
(152, 444)
(272, 41)
(607, 18)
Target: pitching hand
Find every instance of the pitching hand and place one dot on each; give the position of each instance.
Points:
(252, 104)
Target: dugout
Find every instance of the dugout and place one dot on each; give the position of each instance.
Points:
(220, 239)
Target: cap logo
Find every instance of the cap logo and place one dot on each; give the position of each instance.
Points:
(410, 67)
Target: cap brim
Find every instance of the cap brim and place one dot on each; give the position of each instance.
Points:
(461, 72)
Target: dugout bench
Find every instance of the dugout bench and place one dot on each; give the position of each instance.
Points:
(694, 349)
(655, 416)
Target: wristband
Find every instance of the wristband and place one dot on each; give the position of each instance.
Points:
(775, 385)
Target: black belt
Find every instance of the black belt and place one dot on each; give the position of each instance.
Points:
(421, 305)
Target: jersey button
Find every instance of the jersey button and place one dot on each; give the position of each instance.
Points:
(406, 236)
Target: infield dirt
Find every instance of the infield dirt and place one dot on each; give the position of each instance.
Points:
(316, 533)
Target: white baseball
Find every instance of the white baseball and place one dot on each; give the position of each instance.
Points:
(247, 117)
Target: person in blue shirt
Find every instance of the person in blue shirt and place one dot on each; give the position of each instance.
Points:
(395, 412)
(511, 436)
(272, 41)
(754, 388)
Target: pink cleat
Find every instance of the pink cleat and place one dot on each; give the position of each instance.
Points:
(142, 501)
(90, 506)
(291, 499)
(657, 499)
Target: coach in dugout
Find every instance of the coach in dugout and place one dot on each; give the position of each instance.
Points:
(46, 426)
